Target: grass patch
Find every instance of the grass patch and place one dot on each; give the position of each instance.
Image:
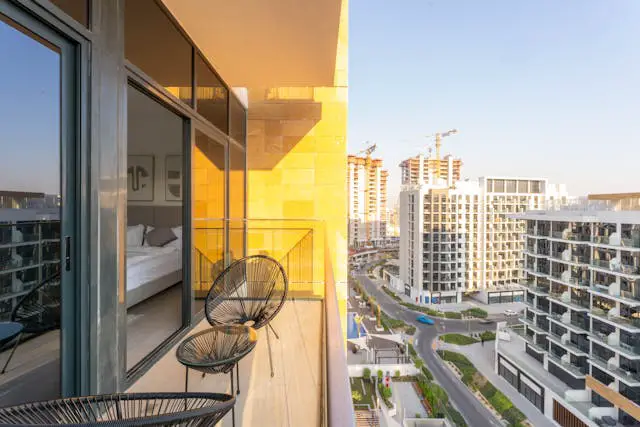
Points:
(476, 312)
(458, 339)
(475, 380)
(452, 315)
(365, 399)
(425, 310)
(410, 330)
(385, 394)
(488, 336)
(427, 373)
(391, 293)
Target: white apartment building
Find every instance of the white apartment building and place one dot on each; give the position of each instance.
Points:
(457, 238)
(579, 348)
(368, 215)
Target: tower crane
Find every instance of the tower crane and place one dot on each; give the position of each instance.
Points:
(438, 138)
(369, 150)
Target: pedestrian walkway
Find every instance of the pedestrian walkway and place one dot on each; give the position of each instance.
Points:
(407, 401)
(483, 358)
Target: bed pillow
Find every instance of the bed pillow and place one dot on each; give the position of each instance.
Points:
(177, 231)
(148, 229)
(135, 234)
(160, 236)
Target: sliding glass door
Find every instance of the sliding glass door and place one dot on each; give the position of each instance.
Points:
(37, 211)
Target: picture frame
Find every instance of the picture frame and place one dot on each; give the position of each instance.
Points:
(173, 178)
(140, 178)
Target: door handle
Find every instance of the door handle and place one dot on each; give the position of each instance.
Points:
(67, 253)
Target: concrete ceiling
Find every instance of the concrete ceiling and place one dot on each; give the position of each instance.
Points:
(265, 43)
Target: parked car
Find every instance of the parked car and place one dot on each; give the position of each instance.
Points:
(487, 321)
(510, 313)
(425, 320)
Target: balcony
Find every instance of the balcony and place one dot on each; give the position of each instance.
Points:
(532, 287)
(311, 382)
(612, 342)
(535, 328)
(612, 291)
(609, 366)
(630, 324)
(574, 370)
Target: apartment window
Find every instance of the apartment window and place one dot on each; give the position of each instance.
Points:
(211, 95)
(155, 45)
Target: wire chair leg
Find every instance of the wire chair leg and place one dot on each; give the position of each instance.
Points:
(238, 376)
(186, 379)
(273, 330)
(270, 357)
(233, 408)
(13, 350)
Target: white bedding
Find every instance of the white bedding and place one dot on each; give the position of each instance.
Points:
(146, 264)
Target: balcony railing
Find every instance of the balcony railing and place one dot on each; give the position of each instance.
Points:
(299, 245)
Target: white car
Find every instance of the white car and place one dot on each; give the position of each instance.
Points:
(510, 313)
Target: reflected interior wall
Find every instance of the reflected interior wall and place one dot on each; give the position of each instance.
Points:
(297, 162)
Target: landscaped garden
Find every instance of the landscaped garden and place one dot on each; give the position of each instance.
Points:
(363, 391)
(476, 381)
(458, 339)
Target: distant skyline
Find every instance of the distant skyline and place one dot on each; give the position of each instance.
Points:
(537, 89)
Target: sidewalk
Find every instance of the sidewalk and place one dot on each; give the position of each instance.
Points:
(483, 359)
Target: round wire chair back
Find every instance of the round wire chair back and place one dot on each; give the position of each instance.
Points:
(39, 310)
(251, 291)
(125, 409)
(218, 349)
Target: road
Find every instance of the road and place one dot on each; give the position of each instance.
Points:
(471, 409)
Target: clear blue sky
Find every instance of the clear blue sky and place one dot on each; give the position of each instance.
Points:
(29, 114)
(542, 88)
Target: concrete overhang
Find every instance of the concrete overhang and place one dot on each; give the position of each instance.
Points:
(265, 43)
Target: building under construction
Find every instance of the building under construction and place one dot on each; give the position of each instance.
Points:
(420, 170)
(367, 183)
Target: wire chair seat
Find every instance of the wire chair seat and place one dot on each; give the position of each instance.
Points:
(217, 349)
(125, 409)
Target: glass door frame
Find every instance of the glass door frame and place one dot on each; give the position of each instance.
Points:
(218, 137)
(74, 50)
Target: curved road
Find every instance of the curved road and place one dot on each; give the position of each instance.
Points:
(471, 409)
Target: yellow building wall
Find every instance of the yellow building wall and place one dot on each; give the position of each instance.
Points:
(297, 165)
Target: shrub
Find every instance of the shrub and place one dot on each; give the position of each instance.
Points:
(500, 402)
(418, 362)
(488, 390)
(455, 417)
(462, 363)
(453, 315)
(513, 416)
(380, 375)
(476, 312)
(397, 374)
(366, 373)
(391, 293)
(412, 351)
(356, 396)
(410, 330)
(458, 339)
(427, 373)
(418, 415)
(488, 335)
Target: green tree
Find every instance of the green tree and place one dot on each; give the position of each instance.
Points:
(380, 375)
(356, 396)
(366, 373)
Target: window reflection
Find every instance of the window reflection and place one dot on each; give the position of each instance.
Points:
(155, 195)
(208, 168)
(156, 46)
(211, 95)
(30, 205)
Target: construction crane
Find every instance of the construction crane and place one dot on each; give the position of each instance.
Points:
(369, 150)
(438, 138)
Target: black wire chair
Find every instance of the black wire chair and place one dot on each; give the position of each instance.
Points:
(38, 311)
(217, 351)
(126, 409)
(250, 292)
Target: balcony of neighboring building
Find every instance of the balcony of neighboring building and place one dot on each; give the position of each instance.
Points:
(625, 317)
